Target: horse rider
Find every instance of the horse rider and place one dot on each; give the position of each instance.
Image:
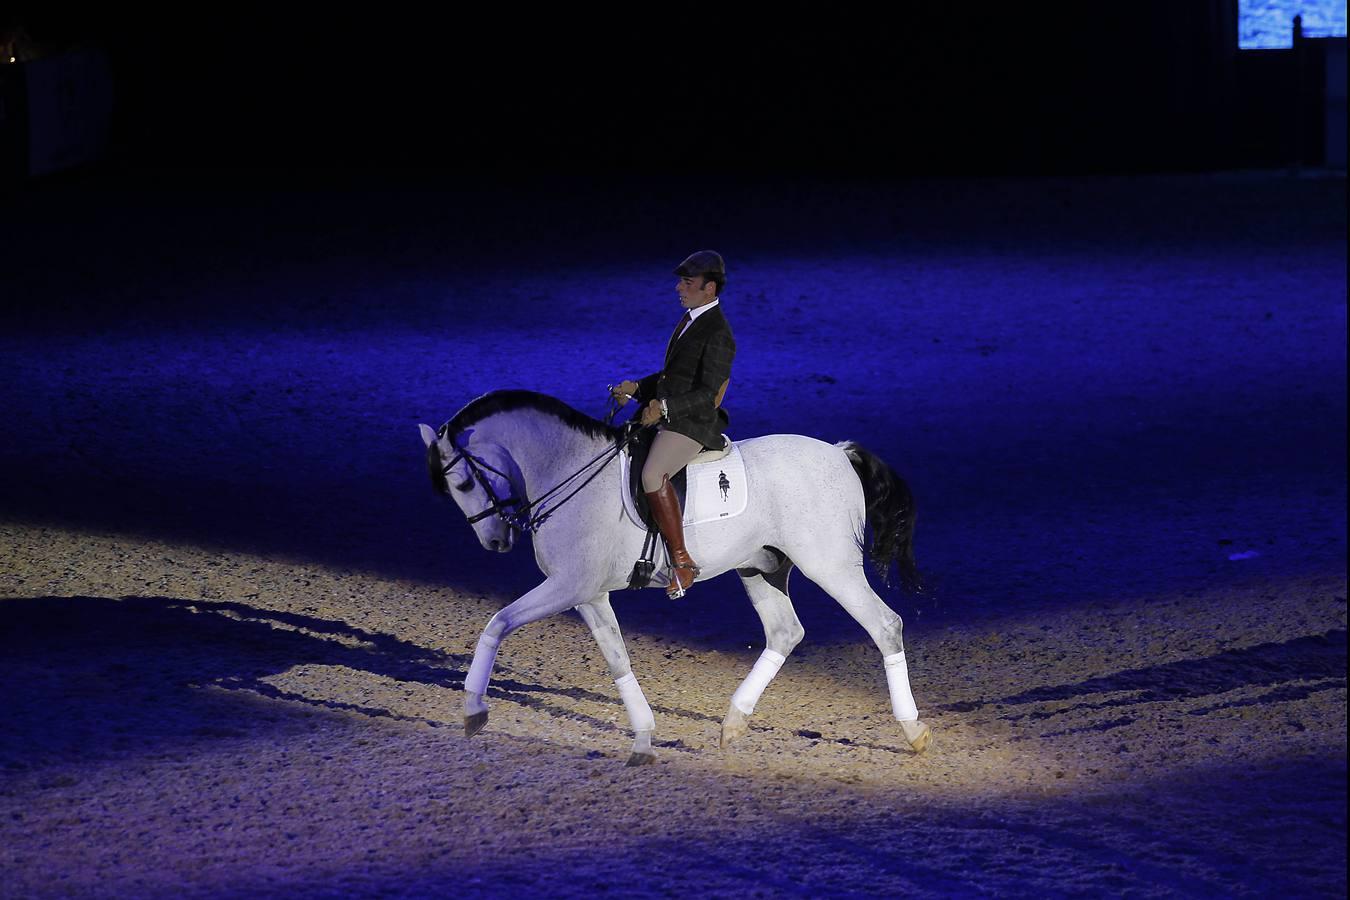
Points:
(683, 400)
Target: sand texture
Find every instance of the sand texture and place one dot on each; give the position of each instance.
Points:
(235, 620)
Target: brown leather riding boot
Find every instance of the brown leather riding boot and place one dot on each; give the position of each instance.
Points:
(670, 520)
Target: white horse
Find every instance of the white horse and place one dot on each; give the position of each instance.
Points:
(808, 502)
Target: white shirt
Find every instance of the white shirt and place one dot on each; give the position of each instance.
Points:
(698, 311)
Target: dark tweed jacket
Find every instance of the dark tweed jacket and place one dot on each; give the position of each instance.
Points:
(697, 365)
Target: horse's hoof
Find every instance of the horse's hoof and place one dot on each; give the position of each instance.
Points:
(919, 735)
(735, 726)
(640, 759)
(474, 723)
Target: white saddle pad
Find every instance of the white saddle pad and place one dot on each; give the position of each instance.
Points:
(715, 489)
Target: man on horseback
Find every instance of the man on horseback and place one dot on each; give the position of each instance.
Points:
(683, 400)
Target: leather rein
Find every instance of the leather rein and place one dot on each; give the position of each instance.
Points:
(522, 518)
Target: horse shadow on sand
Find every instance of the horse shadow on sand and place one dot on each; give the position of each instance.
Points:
(1282, 671)
(87, 678)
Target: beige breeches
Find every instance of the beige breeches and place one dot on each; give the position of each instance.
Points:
(670, 453)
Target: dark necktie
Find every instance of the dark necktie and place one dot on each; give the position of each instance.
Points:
(684, 320)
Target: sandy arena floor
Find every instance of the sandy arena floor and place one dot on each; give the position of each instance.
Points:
(235, 621)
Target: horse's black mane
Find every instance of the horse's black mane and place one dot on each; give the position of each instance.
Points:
(505, 401)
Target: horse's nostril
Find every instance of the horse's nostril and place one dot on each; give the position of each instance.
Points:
(495, 544)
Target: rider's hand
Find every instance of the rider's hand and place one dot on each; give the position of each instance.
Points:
(652, 413)
(623, 391)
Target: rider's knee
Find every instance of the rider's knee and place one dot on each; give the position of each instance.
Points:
(651, 481)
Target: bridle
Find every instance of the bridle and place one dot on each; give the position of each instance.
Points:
(476, 466)
(521, 519)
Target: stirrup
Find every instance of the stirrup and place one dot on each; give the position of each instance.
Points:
(673, 590)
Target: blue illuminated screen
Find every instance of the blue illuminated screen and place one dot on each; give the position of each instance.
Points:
(1269, 24)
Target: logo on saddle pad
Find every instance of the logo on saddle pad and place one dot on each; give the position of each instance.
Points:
(715, 489)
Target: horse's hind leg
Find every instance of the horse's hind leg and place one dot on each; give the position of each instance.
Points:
(599, 618)
(782, 632)
(848, 585)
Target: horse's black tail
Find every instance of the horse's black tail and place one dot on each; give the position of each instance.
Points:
(890, 512)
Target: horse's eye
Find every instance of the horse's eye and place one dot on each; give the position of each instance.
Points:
(464, 487)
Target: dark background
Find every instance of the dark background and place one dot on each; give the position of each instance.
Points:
(1016, 89)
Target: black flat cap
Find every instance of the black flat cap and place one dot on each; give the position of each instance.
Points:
(702, 262)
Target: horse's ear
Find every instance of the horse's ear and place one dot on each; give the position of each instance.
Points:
(428, 435)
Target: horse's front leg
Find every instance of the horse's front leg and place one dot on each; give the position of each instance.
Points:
(599, 618)
(547, 599)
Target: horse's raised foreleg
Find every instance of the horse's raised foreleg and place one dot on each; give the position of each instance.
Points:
(848, 585)
(599, 618)
(549, 598)
(782, 632)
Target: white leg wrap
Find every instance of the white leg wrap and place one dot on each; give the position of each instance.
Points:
(897, 679)
(639, 712)
(480, 670)
(767, 666)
